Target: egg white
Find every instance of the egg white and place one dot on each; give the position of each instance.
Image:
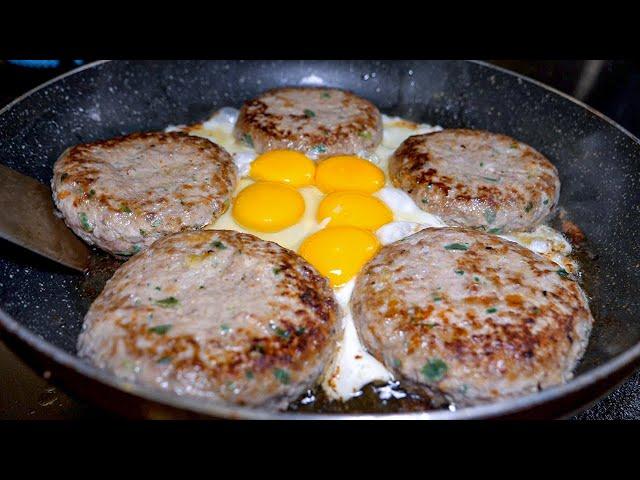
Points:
(352, 367)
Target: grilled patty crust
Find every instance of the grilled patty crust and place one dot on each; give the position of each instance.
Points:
(125, 193)
(470, 315)
(216, 314)
(319, 122)
(477, 179)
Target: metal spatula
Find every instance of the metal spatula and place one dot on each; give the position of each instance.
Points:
(27, 219)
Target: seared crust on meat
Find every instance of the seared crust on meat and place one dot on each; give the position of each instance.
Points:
(470, 315)
(217, 314)
(125, 193)
(476, 179)
(319, 122)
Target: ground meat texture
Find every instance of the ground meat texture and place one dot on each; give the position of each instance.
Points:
(477, 179)
(319, 122)
(216, 314)
(125, 193)
(470, 315)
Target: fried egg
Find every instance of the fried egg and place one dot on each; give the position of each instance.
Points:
(354, 209)
(290, 237)
(286, 166)
(337, 214)
(348, 173)
(339, 253)
(268, 207)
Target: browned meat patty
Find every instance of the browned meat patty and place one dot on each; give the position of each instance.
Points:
(216, 314)
(319, 122)
(470, 315)
(476, 179)
(125, 193)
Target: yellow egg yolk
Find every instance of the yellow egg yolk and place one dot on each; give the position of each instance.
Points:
(348, 173)
(354, 209)
(284, 166)
(268, 207)
(339, 253)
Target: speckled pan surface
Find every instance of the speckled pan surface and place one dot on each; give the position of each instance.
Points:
(42, 305)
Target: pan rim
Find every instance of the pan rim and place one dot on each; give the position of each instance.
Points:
(503, 407)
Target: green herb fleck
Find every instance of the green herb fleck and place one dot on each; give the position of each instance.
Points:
(396, 363)
(282, 333)
(219, 245)
(456, 246)
(161, 329)
(489, 215)
(300, 330)
(528, 207)
(156, 223)
(535, 310)
(495, 230)
(514, 145)
(425, 200)
(491, 179)
(248, 139)
(562, 272)
(248, 374)
(492, 310)
(135, 249)
(165, 360)
(277, 271)
(224, 328)
(482, 164)
(143, 232)
(434, 370)
(459, 272)
(84, 222)
(168, 302)
(201, 287)
(365, 134)
(282, 376)
(124, 208)
(436, 298)
(476, 278)
(158, 288)
(326, 95)
(128, 364)
(319, 149)
(546, 201)
(309, 113)
(92, 192)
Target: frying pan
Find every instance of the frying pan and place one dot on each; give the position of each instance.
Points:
(42, 306)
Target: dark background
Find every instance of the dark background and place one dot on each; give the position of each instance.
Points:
(610, 86)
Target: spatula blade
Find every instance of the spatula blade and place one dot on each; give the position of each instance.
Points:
(27, 219)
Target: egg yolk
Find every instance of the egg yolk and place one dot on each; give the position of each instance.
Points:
(348, 173)
(339, 252)
(268, 207)
(354, 209)
(284, 166)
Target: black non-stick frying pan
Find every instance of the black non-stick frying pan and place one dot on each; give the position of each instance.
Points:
(42, 304)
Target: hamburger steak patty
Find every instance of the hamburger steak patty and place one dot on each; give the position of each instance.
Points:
(216, 314)
(125, 193)
(320, 122)
(476, 179)
(470, 315)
